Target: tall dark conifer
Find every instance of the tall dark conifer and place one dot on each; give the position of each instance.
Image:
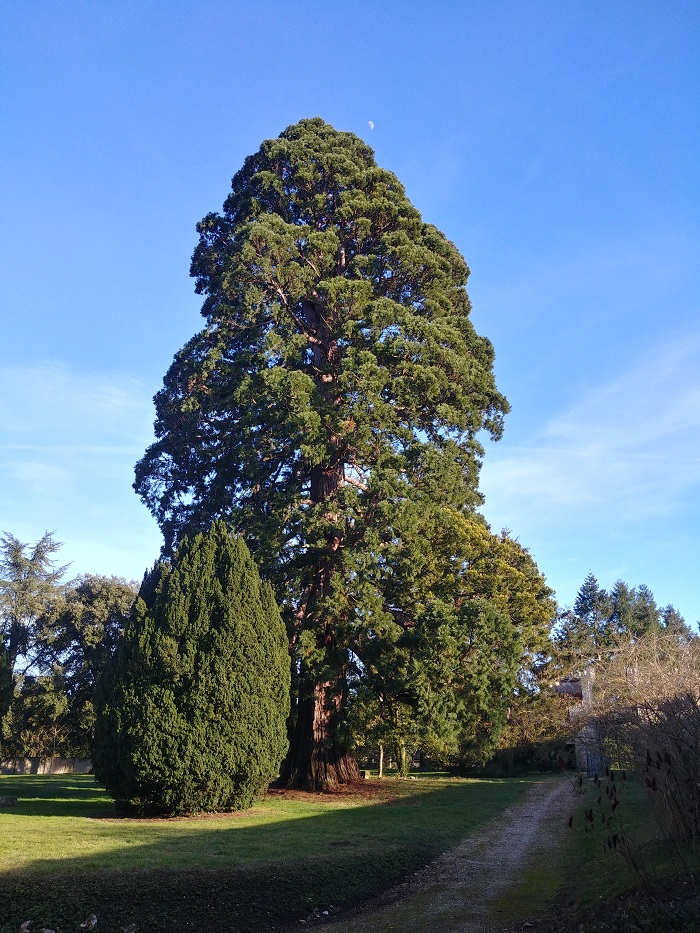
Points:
(191, 711)
(329, 410)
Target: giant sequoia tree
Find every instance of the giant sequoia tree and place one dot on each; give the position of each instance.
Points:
(329, 411)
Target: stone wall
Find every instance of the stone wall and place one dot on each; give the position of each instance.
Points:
(46, 766)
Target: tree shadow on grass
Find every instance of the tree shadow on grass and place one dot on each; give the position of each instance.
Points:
(56, 795)
(229, 874)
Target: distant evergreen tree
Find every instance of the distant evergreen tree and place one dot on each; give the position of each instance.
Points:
(191, 710)
(585, 633)
(593, 607)
(645, 613)
(622, 608)
(673, 621)
(601, 622)
(29, 582)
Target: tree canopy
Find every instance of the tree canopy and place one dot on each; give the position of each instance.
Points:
(29, 582)
(191, 708)
(330, 411)
(602, 622)
(57, 638)
(79, 633)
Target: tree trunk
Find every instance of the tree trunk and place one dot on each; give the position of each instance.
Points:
(315, 761)
(402, 758)
(381, 759)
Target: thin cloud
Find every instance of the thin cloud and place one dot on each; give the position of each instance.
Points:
(68, 444)
(50, 404)
(629, 450)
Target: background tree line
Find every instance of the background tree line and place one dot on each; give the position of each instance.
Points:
(440, 691)
(57, 637)
(597, 632)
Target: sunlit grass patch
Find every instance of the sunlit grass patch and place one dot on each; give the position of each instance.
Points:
(266, 867)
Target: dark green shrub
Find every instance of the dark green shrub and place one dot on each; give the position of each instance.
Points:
(191, 710)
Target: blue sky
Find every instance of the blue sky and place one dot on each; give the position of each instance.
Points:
(557, 144)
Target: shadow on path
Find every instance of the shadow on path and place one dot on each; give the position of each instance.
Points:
(481, 886)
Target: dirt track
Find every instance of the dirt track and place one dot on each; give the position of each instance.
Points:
(478, 887)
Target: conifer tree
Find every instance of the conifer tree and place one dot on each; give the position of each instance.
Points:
(601, 622)
(191, 711)
(329, 410)
(29, 583)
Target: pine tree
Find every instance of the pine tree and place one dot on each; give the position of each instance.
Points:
(600, 623)
(587, 632)
(191, 711)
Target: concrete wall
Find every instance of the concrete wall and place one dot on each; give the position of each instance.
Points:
(46, 766)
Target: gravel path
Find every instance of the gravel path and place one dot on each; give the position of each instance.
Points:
(470, 889)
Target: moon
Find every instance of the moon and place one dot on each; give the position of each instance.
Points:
(370, 124)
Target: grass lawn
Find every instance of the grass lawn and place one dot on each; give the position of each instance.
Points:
(64, 854)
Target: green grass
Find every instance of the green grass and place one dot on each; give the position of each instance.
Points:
(64, 854)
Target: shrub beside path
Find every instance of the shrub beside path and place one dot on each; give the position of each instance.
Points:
(494, 879)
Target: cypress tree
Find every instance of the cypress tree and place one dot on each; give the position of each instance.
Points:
(191, 710)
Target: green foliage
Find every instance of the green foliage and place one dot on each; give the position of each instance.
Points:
(29, 582)
(73, 633)
(78, 635)
(338, 336)
(191, 710)
(587, 632)
(466, 666)
(600, 622)
(444, 684)
(38, 721)
(330, 411)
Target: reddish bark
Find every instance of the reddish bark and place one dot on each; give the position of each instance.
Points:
(315, 761)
